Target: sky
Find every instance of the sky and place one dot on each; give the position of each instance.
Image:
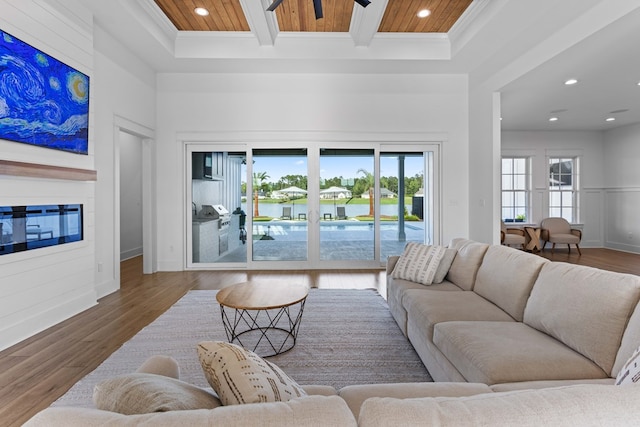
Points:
(330, 167)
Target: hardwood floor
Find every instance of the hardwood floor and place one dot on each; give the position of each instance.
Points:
(38, 370)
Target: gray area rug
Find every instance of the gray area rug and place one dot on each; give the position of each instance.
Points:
(346, 337)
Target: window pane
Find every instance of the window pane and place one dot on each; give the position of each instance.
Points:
(555, 199)
(507, 182)
(507, 198)
(520, 182)
(554, 212)
(507, 167)
(520, 166)
(521, 199)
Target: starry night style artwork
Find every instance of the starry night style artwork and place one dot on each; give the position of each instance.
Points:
(43, 101)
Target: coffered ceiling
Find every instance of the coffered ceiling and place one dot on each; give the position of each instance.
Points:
(298, 15)
(524, 50)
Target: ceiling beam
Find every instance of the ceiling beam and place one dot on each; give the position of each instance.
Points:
(262, 23)
(366, 21)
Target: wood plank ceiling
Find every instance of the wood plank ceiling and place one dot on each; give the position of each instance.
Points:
(298, 15)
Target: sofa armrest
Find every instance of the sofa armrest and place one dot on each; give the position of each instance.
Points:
(577, 232)
(391, 263)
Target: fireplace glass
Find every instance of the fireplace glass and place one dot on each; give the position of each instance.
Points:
(23, 228)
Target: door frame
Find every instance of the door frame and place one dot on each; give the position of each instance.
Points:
(313, 141)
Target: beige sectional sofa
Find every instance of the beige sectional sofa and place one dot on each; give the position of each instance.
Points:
(507, 316)
(511, 339)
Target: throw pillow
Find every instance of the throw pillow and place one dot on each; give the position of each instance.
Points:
(445, 265)
(419, 263)
(161, 365)
(240, 376)
(630, 372)
(142, 393)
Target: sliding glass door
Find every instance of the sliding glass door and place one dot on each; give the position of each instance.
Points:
(346, 187)
(320, 206)
(279, 205)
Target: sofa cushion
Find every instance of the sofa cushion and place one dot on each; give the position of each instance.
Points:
(395, 293)
(423, 263)
(581, 405)
(630, 372)
(428, 308)
(500, 352)
(506, 277)
(241, 376)
(465, 265)
(142, 393)
(310, 411)
(526, 385)
(355, 395)
(585, 308)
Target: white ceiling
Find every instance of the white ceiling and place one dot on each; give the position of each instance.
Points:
(607, 67)
(606, 63)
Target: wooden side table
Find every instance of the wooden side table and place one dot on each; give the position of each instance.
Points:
(262, 316)
(533, 238)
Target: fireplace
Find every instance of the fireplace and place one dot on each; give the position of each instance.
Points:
(24, 228)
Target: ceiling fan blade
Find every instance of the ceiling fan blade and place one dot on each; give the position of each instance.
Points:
(273, 6)
(363, 3)
(317, 6)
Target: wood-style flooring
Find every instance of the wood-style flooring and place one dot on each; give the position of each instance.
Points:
(40, 369)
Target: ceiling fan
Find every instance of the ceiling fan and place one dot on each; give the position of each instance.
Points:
(317, 6)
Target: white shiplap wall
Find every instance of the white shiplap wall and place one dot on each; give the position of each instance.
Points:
(42, 287)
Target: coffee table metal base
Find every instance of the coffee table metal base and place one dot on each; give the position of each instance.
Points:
(267, 332)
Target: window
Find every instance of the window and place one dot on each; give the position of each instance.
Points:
(515, 189)
(563, 188)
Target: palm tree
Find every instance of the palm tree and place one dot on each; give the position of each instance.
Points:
(370, 182)
(258, 179)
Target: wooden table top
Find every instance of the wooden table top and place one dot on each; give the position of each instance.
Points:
(261, 295)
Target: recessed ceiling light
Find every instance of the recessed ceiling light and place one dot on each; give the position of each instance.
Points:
(424, 13)
(201, 11)
(553, 119)
(571, 82)
(610, 119)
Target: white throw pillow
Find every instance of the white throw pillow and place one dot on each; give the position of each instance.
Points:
(142, 393)
(630, 372)
(240, 376)
(423, 263)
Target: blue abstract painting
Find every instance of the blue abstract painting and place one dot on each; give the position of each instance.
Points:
(43, 101)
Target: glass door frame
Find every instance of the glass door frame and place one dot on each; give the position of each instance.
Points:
(432, 202)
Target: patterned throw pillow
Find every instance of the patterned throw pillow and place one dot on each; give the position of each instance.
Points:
(423, 263)
(240, 376)
(630, 372)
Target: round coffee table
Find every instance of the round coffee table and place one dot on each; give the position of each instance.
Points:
(263, 316)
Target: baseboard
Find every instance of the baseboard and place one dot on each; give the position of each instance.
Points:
(131, 253)
(105, 288)
(624, 247)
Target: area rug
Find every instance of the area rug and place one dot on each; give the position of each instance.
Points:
(346, 337)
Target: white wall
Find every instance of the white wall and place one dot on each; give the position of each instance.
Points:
(334, 106)
(130, 195)
(42, 287)
(589, 147)
(125, 88)
(622, 185)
